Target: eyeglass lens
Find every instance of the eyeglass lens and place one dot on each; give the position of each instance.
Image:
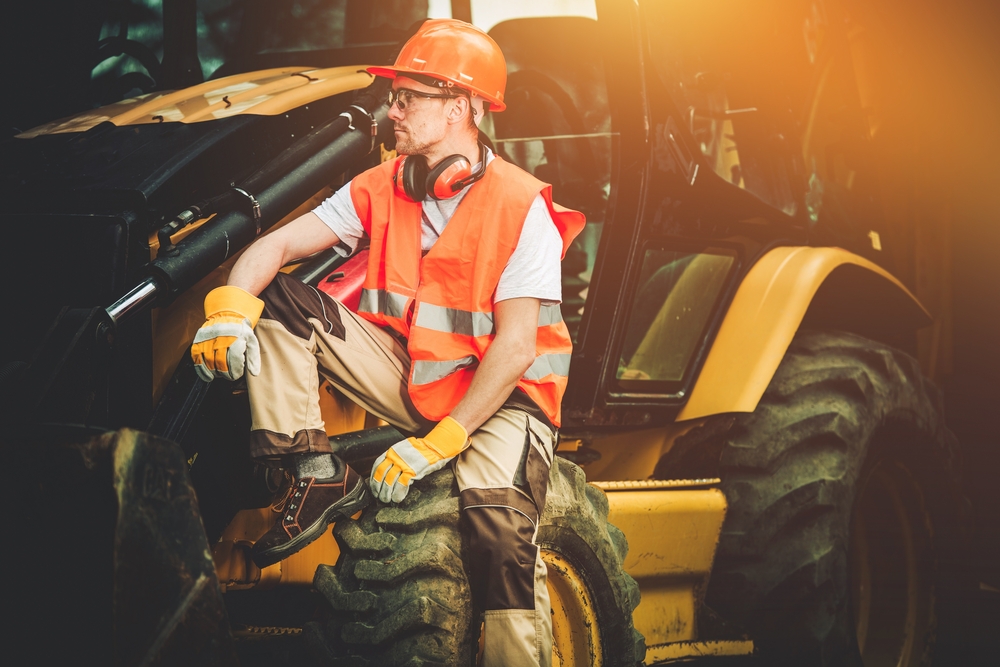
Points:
(404, 96)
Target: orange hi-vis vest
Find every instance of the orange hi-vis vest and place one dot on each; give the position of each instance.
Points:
(442, 302)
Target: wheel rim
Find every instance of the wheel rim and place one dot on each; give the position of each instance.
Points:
(576, 639)
(890, 574)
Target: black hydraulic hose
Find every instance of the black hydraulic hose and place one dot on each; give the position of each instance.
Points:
(364, 445)
(297, 174)
(317, 157)
(356, 117)
(371, 98)
(287, 180)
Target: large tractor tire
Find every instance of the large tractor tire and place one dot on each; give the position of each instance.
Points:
(843, 493)
(399, 594)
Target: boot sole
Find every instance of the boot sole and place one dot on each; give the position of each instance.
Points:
(356, 500)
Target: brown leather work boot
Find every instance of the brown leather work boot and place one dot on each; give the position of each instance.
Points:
(311, 506)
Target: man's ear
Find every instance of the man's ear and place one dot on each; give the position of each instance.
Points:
(459, 110)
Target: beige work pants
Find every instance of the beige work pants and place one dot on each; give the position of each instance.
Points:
(502, 477)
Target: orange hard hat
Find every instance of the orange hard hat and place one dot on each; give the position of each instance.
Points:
(456, 53)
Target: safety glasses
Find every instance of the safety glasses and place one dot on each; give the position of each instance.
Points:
(403, 96)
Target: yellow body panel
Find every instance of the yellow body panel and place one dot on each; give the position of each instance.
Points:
(760, 323)
(266, 93)
(672, 535)
(340, 414)
(632, 454)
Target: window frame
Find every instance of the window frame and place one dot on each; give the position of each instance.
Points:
(665, 391)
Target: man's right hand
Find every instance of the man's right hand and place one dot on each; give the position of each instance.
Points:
(225, 344)
(415, 458)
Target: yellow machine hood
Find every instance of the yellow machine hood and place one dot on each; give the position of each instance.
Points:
(266, 92)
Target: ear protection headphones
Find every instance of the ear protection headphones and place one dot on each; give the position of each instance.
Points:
(416, 181)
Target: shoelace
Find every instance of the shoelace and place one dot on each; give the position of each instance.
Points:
(279, 505)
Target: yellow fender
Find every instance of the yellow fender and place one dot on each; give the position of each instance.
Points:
(846, 292)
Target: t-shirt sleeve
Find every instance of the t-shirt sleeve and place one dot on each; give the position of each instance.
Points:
(338, 213)
(533, 270)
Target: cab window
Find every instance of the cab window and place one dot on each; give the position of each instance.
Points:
(675, 297)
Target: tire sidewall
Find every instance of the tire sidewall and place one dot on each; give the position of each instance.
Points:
(868, 404)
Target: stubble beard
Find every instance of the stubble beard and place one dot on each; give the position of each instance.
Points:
(406, 145)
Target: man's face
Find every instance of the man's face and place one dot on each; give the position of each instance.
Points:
(423, 122)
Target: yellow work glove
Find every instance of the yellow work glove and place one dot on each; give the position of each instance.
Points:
(414, 458)
(225, 344)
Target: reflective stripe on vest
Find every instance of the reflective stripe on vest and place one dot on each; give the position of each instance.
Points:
(382, 301)
(549, 314)
(548, 364)
(466, 323)
(453, 320)
(463, 322)
(425, 372)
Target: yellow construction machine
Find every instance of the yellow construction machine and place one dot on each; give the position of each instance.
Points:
(751, 464)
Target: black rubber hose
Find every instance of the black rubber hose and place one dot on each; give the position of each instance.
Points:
(365, 445)
(371, 97)
(298, 173)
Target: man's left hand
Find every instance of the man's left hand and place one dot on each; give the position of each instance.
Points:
(415, 458)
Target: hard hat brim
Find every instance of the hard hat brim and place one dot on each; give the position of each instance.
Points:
(392, 72)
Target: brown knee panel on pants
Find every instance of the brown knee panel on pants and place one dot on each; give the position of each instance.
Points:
(500, 526)
(292, 303)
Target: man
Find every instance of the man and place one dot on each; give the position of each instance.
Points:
(458, 334)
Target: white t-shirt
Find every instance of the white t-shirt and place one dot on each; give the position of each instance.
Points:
(532, 270)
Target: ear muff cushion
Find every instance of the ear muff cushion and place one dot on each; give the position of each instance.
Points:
(411, 177)
(442, 177)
